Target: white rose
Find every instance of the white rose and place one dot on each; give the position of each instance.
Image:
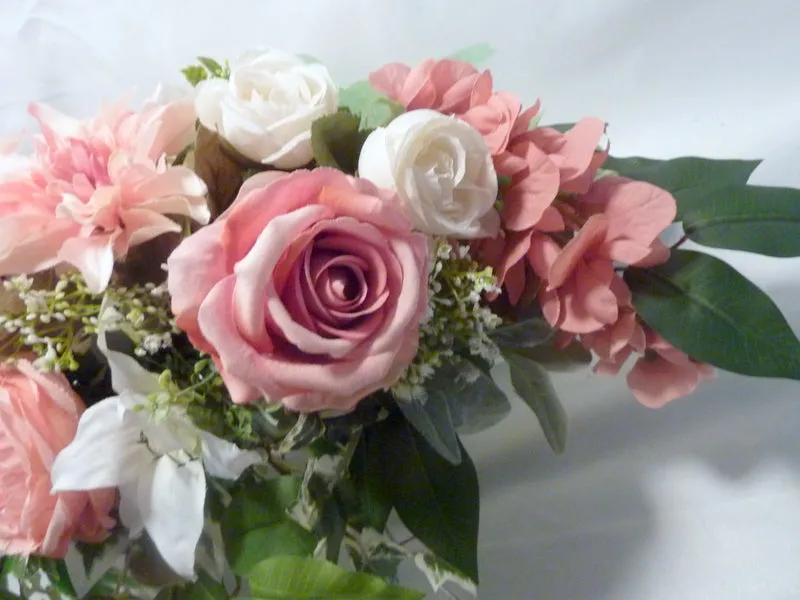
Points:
(266, 108)
(440, 167)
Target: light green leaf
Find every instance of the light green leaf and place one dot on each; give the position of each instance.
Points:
(282, 538)
(194, 74)
(337, 141)
(373, 108)
(293, 578)
(685, 176)
(765, 220)
(707, 309)
(437, 501)
(256, 524)
(532, 382)
(475, 54)
(213, 67)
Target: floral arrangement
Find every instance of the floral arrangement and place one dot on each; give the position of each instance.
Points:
(244, 325)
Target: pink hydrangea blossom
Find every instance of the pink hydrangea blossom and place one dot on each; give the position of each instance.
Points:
(98, 187)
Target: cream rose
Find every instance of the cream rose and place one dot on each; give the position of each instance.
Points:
(440, 167)
(266, 108)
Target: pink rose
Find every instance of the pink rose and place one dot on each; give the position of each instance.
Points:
(39, 415)
(96, 188)
(308, 290)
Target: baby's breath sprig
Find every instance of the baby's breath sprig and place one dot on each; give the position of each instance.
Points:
(456, 322)
(57, 323)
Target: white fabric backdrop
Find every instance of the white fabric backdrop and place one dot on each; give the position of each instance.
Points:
(698, 501)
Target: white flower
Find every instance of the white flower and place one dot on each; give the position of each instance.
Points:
(158, 466)
(440, 167)
(266, 108)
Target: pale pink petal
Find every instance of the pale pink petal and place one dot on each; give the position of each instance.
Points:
(655, 382)
(526, 200)
(93, 257)
(389, 79)
(592, 233)
(143, 225)
(55, 125)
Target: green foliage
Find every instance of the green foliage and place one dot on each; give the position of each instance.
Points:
(437, 501)
(372, 108)
(256, 526)
(208, 67)
(765, 220)
(686, 176)
(204, 588)
(475, 54)
(337, 141)
(707, 309)
(573, 356)
(526, 333)
(295, 578)
(365, 471)
(532, 382)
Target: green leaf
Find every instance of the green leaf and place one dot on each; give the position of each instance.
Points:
(475, 54)
(213, 67)
(284, 537)
(569, 358)
(256, 526)
(685, 176)
(532, 382)
(704, 307)
(432, 419)
(474, 405)
(365, 471)
(293, 578)
(337, 141)
(765, 220)
(437, 501)
(439, 573)
(205, 588)
(526, 333)
(373, 108)
(194, 74)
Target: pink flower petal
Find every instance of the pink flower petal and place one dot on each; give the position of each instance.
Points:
(93, 257)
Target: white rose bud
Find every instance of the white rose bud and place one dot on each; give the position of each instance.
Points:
(266, 108)
(441, 168)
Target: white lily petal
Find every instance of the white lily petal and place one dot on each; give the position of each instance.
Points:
(172, 505)
(224, 459)
(106, 451)
(129, 513)
(127, 375)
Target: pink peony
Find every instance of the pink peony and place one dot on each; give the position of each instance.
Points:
(39, 415)
(97, 188)
(308, 290)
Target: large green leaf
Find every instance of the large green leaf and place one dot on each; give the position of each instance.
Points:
(706, 308)
(365, 470)
(532, 382)
(477, 405)
(255, 525)
(685, 176)
(372, 108)
(204, 588)
(294, 578)
(439, 502)
(765, 220)
(337, 141)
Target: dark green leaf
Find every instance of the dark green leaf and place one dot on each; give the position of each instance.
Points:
(332, 526)
(532, 382)
(256, 526)
(476, 405)
(522, 334)
(6, 595)
(373, 108)
(337, 140)
(707, 309)
(365, 470)
(205, 588)
(571, 357)
(765, 220)
(432, 419)
(436, 500)
(685, 176)
(293, 578)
